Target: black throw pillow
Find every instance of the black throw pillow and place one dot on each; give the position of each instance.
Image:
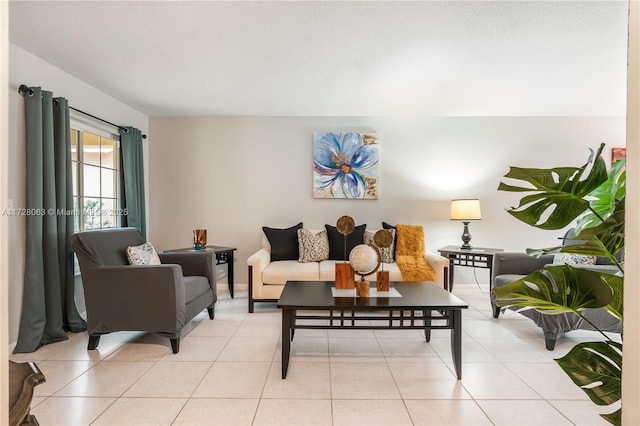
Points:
(284, 242)
(385, 225)
(336, 241)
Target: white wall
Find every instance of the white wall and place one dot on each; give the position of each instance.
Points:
(232, 175)
(28, 69)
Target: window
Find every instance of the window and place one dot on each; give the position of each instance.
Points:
(95, 165)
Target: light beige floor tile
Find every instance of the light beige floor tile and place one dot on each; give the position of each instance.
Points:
(136, 351)
(106, 379)
(486, 329)
(472, 351)
(37, 400)
(266, 327)
(297, 412)
(58, 374)
(198, 348)
(522, 412)
(494, 381)
(362, 381)
(427, 381)
(233, 380)
(355, 349)
(446, 412)
(246, 348)
(214, 412)
(368, 412)
(217, 327)
(408, 350)
(141, 411)
(308, 380)
(305, 349)
(169, 380)
(584, 413)
(549, 380)
(68, 411)
(515, 350)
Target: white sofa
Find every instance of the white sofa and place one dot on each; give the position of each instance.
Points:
(267, 279)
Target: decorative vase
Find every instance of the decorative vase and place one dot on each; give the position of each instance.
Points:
(199, 239)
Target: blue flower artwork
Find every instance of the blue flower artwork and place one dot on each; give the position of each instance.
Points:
(345, 165)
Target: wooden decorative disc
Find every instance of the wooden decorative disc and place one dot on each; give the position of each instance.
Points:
(345, 225)
(383, 238)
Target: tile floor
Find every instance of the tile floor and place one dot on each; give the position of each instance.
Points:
(228, 373)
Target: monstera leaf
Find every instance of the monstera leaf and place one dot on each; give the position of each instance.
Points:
(557, 289)
(604, 199)
(597, 368)
(559, 194)
(604, 240)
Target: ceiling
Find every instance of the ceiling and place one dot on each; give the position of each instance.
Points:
(330, 58)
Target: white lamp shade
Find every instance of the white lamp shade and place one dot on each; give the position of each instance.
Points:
(467, 209)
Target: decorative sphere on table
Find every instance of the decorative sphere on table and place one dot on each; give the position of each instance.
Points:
(364, 259)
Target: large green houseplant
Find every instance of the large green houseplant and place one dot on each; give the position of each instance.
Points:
(592, 197)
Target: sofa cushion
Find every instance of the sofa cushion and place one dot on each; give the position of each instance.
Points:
(289, 270)
(314, 247)
(337, 241)
(284, 242)
(386, 252)
(328, 271)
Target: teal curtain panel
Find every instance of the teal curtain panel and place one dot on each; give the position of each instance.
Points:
(48, 306)
(133, 174)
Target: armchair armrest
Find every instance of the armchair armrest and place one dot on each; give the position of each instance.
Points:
(257, 262)
(193, 264)
(116, 295)
(518, 263)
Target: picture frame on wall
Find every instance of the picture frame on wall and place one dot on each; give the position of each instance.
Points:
(346, 165)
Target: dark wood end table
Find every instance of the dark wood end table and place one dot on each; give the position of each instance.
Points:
(477, 257)
(224, 256)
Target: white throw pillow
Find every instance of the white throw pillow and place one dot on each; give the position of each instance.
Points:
(313, 247)
(143, 254)
(573, 259)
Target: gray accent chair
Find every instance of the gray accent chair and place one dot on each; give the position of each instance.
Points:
(511, 266)
(154, 298)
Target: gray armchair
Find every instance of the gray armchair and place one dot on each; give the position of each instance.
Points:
(511, 266)
(155, 298)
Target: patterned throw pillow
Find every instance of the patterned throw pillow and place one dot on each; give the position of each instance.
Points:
(387, 252)
(573, 259)
(313, 247)
(143, 254)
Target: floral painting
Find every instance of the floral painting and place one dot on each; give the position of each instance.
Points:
(345, 165)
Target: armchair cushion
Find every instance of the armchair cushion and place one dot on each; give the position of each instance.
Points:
(284, 242)
(143, 254)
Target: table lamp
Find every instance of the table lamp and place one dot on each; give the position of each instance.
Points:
(465, 210)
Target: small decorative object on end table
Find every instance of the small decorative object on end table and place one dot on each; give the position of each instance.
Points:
(478, 258)
(344, 272)
(465, 210)
(199, 239)
(224, 255)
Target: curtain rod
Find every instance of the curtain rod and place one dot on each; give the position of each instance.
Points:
(26, 90)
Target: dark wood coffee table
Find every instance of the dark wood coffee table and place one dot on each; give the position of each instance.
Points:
(422, 305)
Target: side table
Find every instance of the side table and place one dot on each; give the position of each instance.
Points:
(477, 257)
(224, 255)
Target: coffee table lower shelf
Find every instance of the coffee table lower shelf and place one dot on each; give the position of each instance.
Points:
(425, 307)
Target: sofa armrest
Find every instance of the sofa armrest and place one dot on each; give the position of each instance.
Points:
(518, 263)
(257, 262)
(193, 264)
(439, 265)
